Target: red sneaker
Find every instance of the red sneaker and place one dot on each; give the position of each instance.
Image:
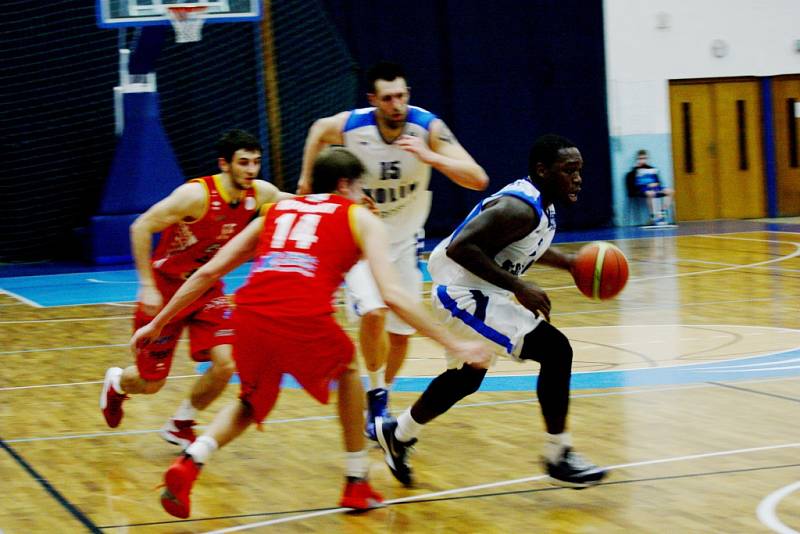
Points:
(179, 480)
(110, 400)
(179, 432)
(359, 495)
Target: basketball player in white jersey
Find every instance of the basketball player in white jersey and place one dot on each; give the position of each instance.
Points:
(398, 145)
(478, 293)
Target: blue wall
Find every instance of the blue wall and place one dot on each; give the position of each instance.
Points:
(499, 73)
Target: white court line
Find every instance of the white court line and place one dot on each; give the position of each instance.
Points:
(340, 305)
(766, 509)
(70, 320)
(326, 417)
(56, 349)
(70, 384)
(98, 281)
(21, 298)
(531, 400)
(466, 489)
(761, 364)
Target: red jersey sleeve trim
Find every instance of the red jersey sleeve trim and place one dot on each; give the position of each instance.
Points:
(208, 199)
(264, 209)
(351, 217)
(220, 189)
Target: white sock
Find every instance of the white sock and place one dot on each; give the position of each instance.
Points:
(407, 429)
(377, 378)
(202, 449)
(186, 412)
(356, 464)
(555, 445)
(116, 376)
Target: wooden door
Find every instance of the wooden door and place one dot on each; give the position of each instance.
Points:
(740, 167)
(786, 117)
(691, 108)
(716, 147)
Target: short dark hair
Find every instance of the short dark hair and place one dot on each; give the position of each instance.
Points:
(234, 140)
(331, 164)
(641, 153)
(384, 70)
(545, 150)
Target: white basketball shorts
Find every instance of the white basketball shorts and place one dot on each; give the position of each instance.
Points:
(361, 291)
(495, 316)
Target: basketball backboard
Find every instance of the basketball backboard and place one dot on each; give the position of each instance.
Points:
(123, 13)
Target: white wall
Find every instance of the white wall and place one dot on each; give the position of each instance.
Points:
(649, 42)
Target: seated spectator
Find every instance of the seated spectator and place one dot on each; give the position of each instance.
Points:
(643, 182)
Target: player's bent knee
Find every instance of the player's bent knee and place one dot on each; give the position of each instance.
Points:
(378, 314)
(153, 386)
(222, 362)
(222, 370)
(546, 342)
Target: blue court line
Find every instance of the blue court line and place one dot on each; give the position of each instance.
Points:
(99, 287)
(778, 365)
(71, 508)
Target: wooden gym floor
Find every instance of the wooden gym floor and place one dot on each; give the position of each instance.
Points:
(687, 386)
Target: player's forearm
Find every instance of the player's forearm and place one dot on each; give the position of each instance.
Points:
(142, 249)
(315, 142)
(194, 287)
(465, 173)
(556, 258)
(473, 259)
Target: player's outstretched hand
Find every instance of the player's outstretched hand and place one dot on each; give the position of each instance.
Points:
(415, 145)
(535, 299)
(144, 336)
(476, 353)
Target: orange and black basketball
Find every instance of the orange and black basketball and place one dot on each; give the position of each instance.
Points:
(600, 270)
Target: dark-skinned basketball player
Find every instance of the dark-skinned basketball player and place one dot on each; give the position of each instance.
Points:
(478, 292)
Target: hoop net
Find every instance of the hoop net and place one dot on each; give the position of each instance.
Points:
(187, 21)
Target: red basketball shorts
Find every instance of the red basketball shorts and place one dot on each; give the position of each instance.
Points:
(314, 350)
(207, 320)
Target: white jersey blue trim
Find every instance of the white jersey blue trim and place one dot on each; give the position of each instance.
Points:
(366, 117)
(516, 257)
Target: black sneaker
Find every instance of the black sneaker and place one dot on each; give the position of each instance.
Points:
(572, 471)
(396, 451)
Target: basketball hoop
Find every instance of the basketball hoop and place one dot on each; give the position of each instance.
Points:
(187, 21)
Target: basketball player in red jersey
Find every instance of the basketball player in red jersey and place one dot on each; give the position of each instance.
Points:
(196, 219)
(284, 318)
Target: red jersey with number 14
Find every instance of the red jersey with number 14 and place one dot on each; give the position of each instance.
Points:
(307, 245)
(184, 247)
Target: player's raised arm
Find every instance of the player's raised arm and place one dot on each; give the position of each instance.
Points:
(186, 202)
(447, 156)
(374, 239)
(325, 131)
